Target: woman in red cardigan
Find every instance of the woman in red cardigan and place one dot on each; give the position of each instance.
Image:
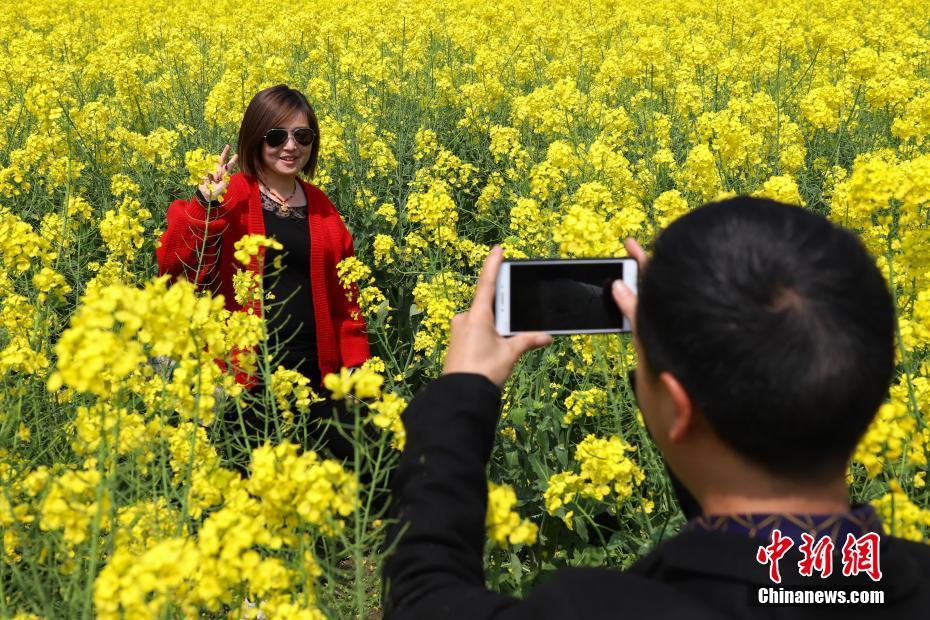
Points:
(313, 321)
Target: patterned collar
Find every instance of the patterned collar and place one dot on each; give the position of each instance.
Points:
(860, 520)
(282, 211)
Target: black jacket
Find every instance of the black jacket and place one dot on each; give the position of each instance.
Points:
(440, 500)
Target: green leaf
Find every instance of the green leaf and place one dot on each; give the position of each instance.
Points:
(542, 440)
(580, 527)
(510, 457)
(538, 467)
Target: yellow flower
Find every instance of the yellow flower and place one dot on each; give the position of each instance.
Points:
(504, 525)
(384, 248)
(387, 415)
(584, 403)
(605, 470)
(363, 382)
(249, 246)
(72, 505)
(289, 386)
(339, 385)
(900, 516)
(24, 433)
(199, 163)
(783, 189)
(668, 207)
(367, 383)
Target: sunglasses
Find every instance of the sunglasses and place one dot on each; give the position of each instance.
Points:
(277, 136)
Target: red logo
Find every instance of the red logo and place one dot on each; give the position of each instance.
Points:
(772, 553)
(817, 557)
(859, 555)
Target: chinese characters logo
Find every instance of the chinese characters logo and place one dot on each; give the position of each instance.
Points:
(859, 555)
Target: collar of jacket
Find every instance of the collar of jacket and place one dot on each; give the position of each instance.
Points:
(244, 189)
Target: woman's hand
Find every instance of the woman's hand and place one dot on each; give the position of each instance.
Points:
(474, 344)
(215, 183)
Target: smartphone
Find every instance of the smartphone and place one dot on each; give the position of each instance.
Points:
(561, 296)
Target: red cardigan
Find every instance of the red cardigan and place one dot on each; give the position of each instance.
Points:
(341, 339)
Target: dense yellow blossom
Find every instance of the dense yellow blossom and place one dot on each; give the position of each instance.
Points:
(432, 207)
(319, 491)
(699, 173)
(20, 245)
(503, 523)
(783, 189)
(249, 246)
(439, 299)
(144, 586)
(900, 516)
(669, 206)
(72, 505)
(104, 423)
(117, 327)
(384, 248)
(387, 415)
(435, 144)
(605, 469)
(584, 403)
(363, 383)
(292, 389)
(357, 279)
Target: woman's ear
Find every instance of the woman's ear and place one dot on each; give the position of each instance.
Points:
(684, 407)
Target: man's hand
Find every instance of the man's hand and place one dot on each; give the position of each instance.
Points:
(624, 297)
(474, 344)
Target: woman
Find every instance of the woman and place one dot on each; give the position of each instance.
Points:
(316, 324)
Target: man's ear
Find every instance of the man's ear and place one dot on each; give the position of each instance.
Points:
(684, 407)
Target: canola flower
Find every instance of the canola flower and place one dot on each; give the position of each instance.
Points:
(605, 469)
(584, 403)
(384, 408)
(119, 328)
(900, 516)
(505, 527)
(439, 300)
(357, 279)
(250, 246)
(235, 545)
(289, 386)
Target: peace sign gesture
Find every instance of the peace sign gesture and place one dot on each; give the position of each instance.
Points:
(215, 182)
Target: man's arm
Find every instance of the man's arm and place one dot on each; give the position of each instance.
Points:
(439, 489)
(439, 504)
(440, 501)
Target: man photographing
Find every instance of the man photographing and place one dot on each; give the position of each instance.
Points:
(765, 340)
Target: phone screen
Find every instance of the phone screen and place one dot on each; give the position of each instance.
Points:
(564, 296)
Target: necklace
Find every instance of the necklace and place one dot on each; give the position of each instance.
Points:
(279, 198)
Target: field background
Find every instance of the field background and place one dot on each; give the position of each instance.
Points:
(555, 128)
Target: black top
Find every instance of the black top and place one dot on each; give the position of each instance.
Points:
(290, 317)
(440, 495)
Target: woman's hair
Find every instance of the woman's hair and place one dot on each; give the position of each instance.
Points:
(267, 110)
